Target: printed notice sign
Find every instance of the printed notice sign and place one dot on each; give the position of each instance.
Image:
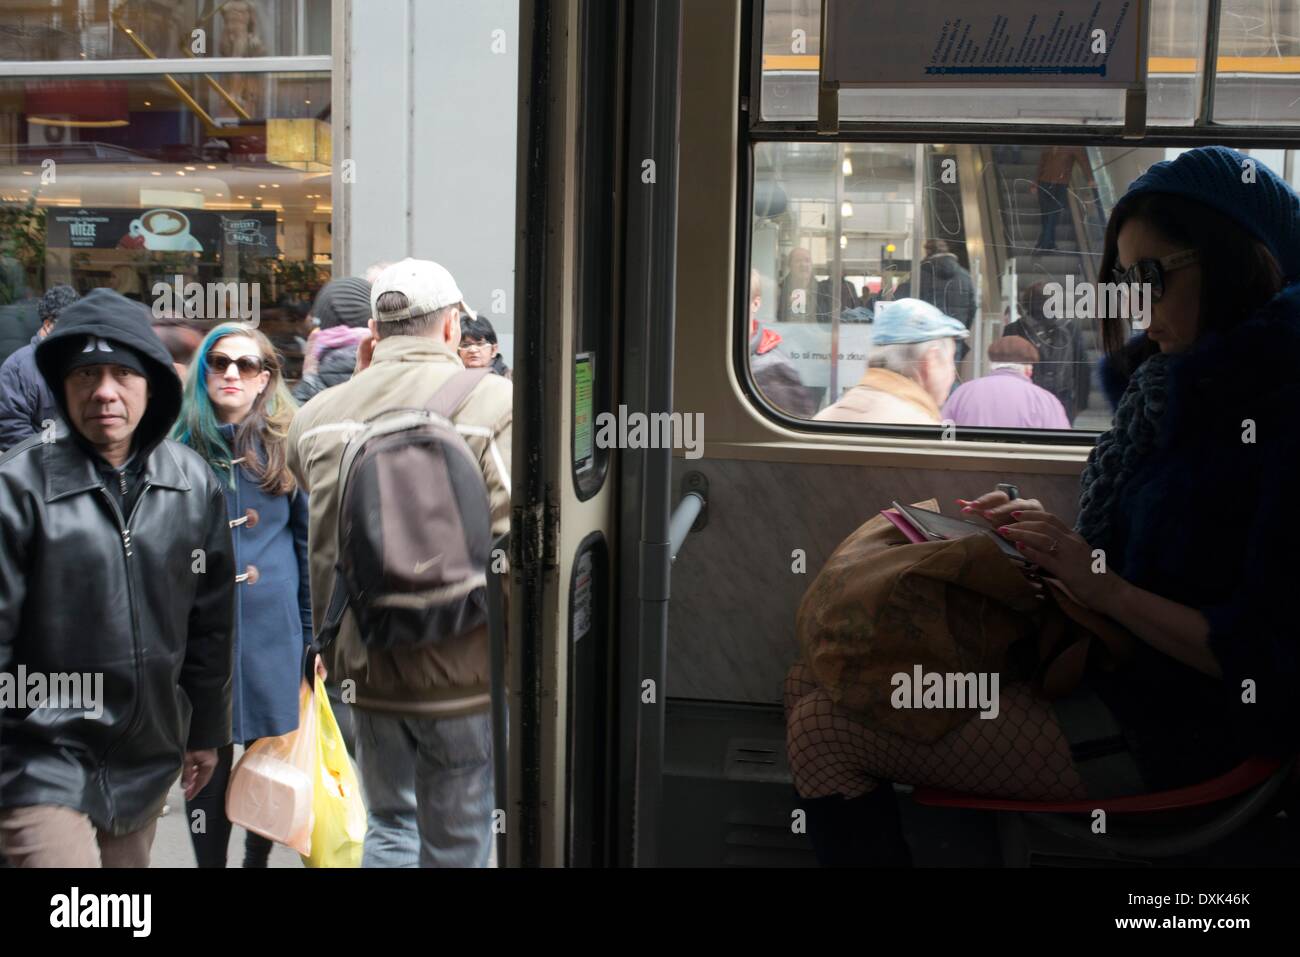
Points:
(583, 397)
(913, 43)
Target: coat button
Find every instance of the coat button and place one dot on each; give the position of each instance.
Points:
(252, 517)
(249, 577)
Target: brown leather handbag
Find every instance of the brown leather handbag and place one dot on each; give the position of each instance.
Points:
(882, 606)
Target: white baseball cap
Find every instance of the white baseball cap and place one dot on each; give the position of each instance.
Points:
(427, 286)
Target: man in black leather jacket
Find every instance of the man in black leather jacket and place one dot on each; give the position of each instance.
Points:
(116, 562)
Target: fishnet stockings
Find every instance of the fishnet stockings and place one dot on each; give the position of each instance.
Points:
(1020, 753)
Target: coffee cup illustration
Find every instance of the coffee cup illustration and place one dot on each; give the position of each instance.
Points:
(165, 230)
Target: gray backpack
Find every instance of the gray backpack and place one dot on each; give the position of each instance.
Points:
(415, 528)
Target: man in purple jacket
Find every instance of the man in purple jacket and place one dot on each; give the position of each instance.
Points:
(1006, 398)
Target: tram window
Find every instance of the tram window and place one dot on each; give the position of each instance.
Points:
(791, 51)
(1003, 239)
(1259, 59)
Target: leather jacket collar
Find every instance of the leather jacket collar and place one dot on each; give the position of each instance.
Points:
(69, 469)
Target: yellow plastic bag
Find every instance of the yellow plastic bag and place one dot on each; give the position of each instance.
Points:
(271, 790)
(340, 814)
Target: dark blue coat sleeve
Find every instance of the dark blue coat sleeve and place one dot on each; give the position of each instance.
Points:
(298, 524)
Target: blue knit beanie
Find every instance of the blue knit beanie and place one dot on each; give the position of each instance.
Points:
(1239, 187)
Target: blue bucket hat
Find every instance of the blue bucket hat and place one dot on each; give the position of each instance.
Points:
(1239, 187)
(913, 320)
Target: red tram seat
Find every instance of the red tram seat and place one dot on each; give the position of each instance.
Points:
(1251, 773)
(1243, 793)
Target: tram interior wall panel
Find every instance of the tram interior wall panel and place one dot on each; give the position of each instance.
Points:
(734, 594)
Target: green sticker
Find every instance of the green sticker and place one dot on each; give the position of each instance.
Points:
(584, 371)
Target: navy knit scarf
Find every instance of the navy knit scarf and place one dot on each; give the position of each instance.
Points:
(1120, 452)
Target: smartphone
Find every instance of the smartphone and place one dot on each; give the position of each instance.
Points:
(939, 528)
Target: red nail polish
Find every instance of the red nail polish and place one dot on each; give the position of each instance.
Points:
(1004, 531)
(1016, 514)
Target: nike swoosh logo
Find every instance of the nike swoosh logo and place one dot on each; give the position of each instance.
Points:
(422, 567)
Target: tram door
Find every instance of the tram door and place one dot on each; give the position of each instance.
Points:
(589, 554)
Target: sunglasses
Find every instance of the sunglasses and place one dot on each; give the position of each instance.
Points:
(1151, 272)
(249, 367)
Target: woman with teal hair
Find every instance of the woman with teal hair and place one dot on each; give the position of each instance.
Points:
(236, 414)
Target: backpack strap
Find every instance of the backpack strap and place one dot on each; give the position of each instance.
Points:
(447, 401)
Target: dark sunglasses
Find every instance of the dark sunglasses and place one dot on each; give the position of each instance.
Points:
(249, 367)
(1151, 272)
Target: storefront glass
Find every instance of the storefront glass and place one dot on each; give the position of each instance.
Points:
(153, 182)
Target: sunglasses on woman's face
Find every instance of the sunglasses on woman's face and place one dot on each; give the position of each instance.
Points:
(250, 367)
(1151, 272)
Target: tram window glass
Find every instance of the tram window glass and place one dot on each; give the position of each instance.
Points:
(1001, 238)
(1259, 59)
(136, 29)
(130, 181)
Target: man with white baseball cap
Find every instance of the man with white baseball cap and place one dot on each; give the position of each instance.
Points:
(422, 716)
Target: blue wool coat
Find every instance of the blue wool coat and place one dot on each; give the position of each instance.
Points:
(274, 613)
(1209, 520)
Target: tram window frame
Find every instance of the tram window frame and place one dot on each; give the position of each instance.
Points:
(753, 130)
(599, 147)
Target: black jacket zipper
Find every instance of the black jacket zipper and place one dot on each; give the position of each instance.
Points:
(125, 531)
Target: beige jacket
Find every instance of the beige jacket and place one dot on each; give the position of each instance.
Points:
(884, 398)
(453, 678)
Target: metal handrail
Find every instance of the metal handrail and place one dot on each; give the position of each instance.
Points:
(684, 516)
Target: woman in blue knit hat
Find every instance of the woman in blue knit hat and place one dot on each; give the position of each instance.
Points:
(1189, 499)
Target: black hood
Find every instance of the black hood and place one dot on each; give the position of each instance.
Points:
(106, 314)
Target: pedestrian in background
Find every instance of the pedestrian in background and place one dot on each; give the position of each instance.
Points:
(1007, 398)
(236, 415)
(423, 724)
(342, 308)
(26, 402)
(479, 348)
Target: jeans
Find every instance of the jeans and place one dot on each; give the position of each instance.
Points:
(1052, 202)
(428, 788)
